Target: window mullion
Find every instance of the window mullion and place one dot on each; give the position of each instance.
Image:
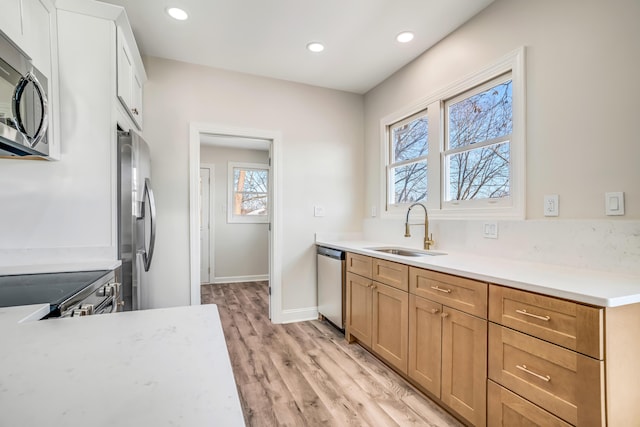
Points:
(494, 141)
(408, 162)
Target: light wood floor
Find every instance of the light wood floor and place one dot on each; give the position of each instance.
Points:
(305, 374)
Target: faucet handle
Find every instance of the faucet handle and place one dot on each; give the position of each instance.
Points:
(428, 242)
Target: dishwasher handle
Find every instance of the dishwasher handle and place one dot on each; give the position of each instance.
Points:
(331, 253)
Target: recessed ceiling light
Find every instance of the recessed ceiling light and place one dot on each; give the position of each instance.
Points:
(315, 47)
(405, 37)
(177, 13)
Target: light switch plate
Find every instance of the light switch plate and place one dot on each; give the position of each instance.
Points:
(614, 203)
(318, 211)
(551, 207)
(490, 230)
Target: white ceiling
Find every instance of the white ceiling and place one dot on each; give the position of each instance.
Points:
(269, 37)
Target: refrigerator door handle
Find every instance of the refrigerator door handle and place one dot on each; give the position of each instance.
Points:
(147, 255)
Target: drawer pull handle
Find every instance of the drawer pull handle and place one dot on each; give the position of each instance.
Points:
(446, 291)
(434, 311)
(526, 313)
(546, 378)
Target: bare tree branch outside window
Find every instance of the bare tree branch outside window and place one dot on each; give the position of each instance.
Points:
(478, 152)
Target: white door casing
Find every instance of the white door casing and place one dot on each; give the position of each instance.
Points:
(205, 224)
(275, 235)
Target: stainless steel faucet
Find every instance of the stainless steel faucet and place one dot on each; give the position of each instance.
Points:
(428, 239)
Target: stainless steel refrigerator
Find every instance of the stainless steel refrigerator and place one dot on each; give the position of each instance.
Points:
(136, 219)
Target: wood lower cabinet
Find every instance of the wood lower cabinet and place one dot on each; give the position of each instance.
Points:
(464, 365)
(507, 409)
(390, 324)
(537, 361)
(377, 316)
(425, 343)
(360, 265)
(448, 356)
(563, 382)
(359, 309)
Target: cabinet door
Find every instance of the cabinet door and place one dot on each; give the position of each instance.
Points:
(390, 325)
(425, 336)
(136, 102)
(359, 308)
(37, 31)
(464, 365)
(11, 20)
(125, 72)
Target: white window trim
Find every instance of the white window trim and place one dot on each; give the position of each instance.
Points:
(514, 62)
(244, 219)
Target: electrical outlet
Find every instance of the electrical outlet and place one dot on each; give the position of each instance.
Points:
(374, 211)
(490, 230)
(551, 207)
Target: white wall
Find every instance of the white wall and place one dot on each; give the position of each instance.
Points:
(240, 249)
(322, 158)
(582, 84)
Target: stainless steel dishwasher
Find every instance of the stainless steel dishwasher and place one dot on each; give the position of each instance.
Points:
(331, 285)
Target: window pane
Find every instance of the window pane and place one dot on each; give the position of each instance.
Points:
(409, 182)
(481, 117)
(255, 180)
(252, 203)
(409, 141)
(481, 173)
(250, 191)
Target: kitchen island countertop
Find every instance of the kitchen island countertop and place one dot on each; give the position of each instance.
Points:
(600, 288)
(162, 367)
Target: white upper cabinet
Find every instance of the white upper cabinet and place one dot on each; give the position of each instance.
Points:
(37, 33)
(129, 81)
(31, 25)
(11, 20)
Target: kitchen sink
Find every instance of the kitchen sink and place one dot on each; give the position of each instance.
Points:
(407, 252)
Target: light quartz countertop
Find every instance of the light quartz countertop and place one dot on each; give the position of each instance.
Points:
(163, 367)
(107, 264)
(598, 288)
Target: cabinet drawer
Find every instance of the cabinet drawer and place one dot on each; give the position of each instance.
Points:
(391, 273)
(466, 295)
(565, 383)
(359, 264)
(507, 409)
(574, 326)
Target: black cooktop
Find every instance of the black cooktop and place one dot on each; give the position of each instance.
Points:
(51, 288)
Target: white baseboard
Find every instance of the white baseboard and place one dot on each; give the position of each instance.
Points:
(298, 315)
(239, 279)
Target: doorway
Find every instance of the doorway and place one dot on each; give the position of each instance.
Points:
(238, 233)
(270, 142)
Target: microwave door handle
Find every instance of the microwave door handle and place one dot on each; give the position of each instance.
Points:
(148, 194)
(15, 105)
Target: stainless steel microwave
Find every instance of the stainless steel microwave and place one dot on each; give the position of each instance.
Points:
(23, 105)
